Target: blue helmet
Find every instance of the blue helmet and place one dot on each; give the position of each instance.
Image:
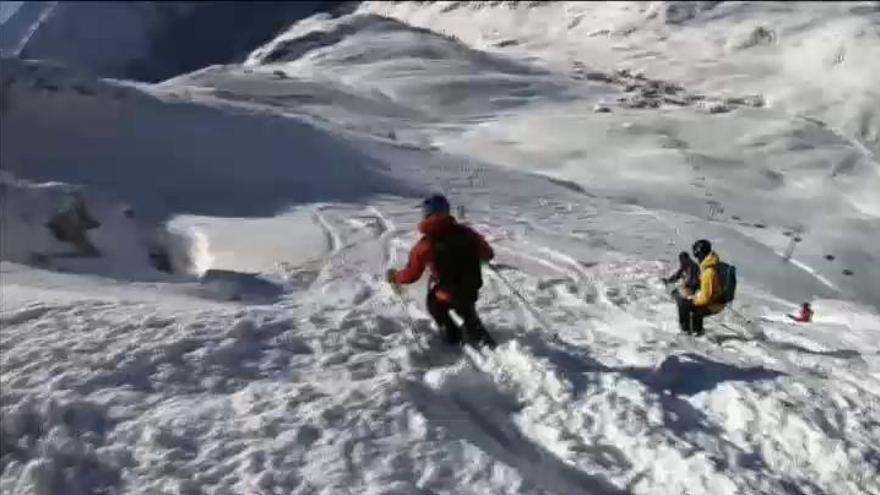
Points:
(436, 203)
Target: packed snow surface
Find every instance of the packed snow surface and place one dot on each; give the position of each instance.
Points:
(275, 359)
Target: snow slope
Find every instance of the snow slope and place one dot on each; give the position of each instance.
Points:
(755, 172)
(304, 167)
(806, 59)
(165, 156)
(818, 135)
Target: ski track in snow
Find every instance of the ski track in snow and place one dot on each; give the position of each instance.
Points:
(241, 397)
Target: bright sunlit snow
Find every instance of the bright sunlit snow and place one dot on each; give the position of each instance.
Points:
(224, 326)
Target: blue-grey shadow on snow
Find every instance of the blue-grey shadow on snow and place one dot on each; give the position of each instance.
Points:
(788, 346)
(695, 374)
(480, 414)
(228, 285)
(582, 371)
(670, 381)
(677, 376)
(668, 384)
(167, 158)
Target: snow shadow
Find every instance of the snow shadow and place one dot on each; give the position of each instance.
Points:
(671, 380)
(472, 409)
(695, 374)
(574, 364)
(667, 386)
(683, 374)
(174, 158)
(788, 346)
(229, 285)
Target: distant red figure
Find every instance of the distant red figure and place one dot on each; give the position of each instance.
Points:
(805, 316)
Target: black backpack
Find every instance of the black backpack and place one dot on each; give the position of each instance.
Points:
(457, 262)
(727, 278)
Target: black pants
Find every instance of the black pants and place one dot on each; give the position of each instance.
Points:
(474, 331)
(690, 317)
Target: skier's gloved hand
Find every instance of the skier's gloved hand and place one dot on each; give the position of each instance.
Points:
(390, 276)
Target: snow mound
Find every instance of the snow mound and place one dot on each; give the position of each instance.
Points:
(56, 445)
(176, 156)
(368, 39)
(234, 286)
(253, 244)
(435, 74)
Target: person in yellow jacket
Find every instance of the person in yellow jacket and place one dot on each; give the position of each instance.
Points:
(707, 300)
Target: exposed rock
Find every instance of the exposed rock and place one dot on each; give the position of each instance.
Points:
(637, 101)
(672, 100)
(598, 76)
(715, 106)
(756, 101)
(70, 224)
(759, 36)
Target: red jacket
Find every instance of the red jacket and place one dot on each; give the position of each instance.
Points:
(420, 256)
(805, 316)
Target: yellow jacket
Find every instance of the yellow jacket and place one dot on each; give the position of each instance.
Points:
(710, 285)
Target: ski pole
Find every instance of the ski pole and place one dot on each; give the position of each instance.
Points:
(525, 302)
(410, 323)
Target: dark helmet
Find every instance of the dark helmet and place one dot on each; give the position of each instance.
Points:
(436, 203)
(701, 249)
(684, 256)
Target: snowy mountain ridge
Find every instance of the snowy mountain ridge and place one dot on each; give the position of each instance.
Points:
(823, 70)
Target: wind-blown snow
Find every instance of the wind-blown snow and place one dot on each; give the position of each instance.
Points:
(281, 362)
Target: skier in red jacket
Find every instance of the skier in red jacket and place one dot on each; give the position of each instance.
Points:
(805, 316)
(453, 253)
